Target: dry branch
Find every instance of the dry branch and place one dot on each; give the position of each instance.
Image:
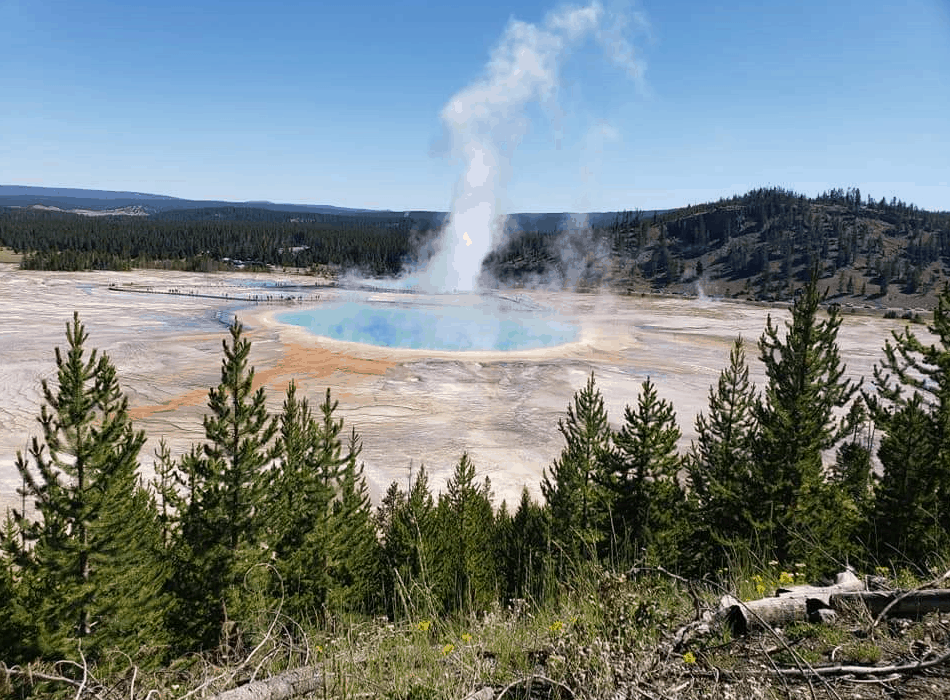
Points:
(840, 670)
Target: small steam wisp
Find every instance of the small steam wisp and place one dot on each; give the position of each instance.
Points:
(487, 120)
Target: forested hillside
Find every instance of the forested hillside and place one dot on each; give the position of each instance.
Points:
(262, 536)
(760, 246)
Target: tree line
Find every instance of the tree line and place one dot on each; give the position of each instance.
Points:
(769, 237)
(270, 513)
(213, 239)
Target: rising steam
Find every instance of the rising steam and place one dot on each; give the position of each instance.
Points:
(487, 120)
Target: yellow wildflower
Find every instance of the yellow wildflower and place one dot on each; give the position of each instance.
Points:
(689, 658)
(448, 649)
(423, 625)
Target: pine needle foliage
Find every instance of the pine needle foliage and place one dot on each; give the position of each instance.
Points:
(572, 486)
(239, 432)
(524, 541)
(911, 406)
(295, 516)
(220, 527)
(406, 524)
(354, 559)
(642, 477)
(466, 569)
(797, 423)
(720, 461)
(91, 560)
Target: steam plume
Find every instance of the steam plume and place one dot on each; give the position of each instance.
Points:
(487, 120)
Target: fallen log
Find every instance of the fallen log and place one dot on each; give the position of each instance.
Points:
(289, 684)
(788, 605)
(822, 603)
(913, 604)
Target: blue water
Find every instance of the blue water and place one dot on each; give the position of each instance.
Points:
(443, 328)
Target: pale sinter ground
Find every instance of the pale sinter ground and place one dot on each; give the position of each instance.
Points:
(410, 406)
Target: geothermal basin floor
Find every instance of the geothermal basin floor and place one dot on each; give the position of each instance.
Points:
(411, 406)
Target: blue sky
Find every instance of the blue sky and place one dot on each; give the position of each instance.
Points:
(339, 103)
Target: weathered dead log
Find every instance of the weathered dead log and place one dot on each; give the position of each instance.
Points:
(289, 684)
(821, 603)
(788, 605)
(847, 580)
(913, 604)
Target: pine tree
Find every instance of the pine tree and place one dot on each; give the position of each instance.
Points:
(93, 556)
(643, 478)
(797, 422)
(522, 541)
(719, 464)
(318, 477)
(911, 407)
(18, 631)
(572, 491)
(220, 526)
(169, 488)
(239, 432)
(294, 516)
(407, 550)
(354, 548)
(466, 576)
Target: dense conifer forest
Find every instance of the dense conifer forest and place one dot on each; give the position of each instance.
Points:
(267, 521)
(761, 245)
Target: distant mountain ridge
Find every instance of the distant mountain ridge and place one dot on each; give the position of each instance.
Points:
(83, 201)
(71, 198)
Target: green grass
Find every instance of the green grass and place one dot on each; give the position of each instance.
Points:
(595, 635)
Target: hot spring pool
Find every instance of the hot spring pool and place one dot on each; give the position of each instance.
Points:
(441, 328)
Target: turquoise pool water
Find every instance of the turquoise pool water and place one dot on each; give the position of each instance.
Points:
(441, 328)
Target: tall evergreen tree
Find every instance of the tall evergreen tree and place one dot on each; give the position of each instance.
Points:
(220, 527)
(407, 524)
(523, 543)
(466, 577)
(911, 406)
(92, 557)
(797, 422)
(643, 478)
(295, 513)
(239, 432)
(720, 464)
(571, 488)
(354, 558)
